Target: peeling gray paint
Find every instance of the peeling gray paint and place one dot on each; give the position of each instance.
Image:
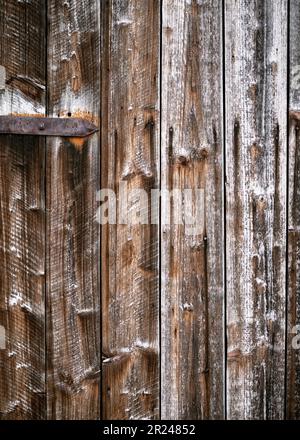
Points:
(2, 338)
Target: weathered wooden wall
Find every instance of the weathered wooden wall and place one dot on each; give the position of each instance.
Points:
(152, 320)
(22, 212)
(293, 206)
(130, 156)
(192, 290)
(256, 153)
(72, 233)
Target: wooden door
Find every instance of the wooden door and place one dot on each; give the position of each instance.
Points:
(112, 306)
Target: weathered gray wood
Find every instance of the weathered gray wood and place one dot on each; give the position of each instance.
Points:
(293, 364)
(256, 130)
(73, 248)
(22, 247)
(192, 312)
(130, 152)
(192, 269)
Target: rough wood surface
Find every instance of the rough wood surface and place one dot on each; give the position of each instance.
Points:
(256, 109)
(293, 364)
(227, 345)
(192, 269)
(130, 152)
(72, 232)
(22, 247)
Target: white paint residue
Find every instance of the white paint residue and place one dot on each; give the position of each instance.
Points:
(22, 365)
(77, 103)
(124, 22)
(26, 307)
(260, 282)
(39, 272)
(125, 350)
(21, 103)
(15, 298)
(2, 338)
(84, 312)
(125, 391)
(271, 315)
(144, 391)
(187, 306)
(2, 77)
(142, 344)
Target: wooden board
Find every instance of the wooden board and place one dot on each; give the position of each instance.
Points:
(192, 334)
(130, 156)
(256, 131)
(293, 360)
(22, 214)
(72, 231)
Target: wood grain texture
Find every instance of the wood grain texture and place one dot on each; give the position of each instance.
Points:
(130, 152)
(192, 269)
(293, 359)
(256, 130)
(73, 325)
(228, 344)
(22, 213)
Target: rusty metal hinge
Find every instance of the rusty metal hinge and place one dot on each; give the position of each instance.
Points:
(40, 126)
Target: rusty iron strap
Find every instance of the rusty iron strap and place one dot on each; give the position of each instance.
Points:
(37, 126)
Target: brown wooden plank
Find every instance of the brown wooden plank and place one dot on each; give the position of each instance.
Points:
(293, 352)
(192, 268)
(73, 324)
(130, 152)
(256, 130)
(22, 213)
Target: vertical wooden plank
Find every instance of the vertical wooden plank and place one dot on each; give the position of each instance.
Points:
(256, 106)
(192, 261)
(130, 152)
(73, 325)
(22, 247)
(293, 364)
